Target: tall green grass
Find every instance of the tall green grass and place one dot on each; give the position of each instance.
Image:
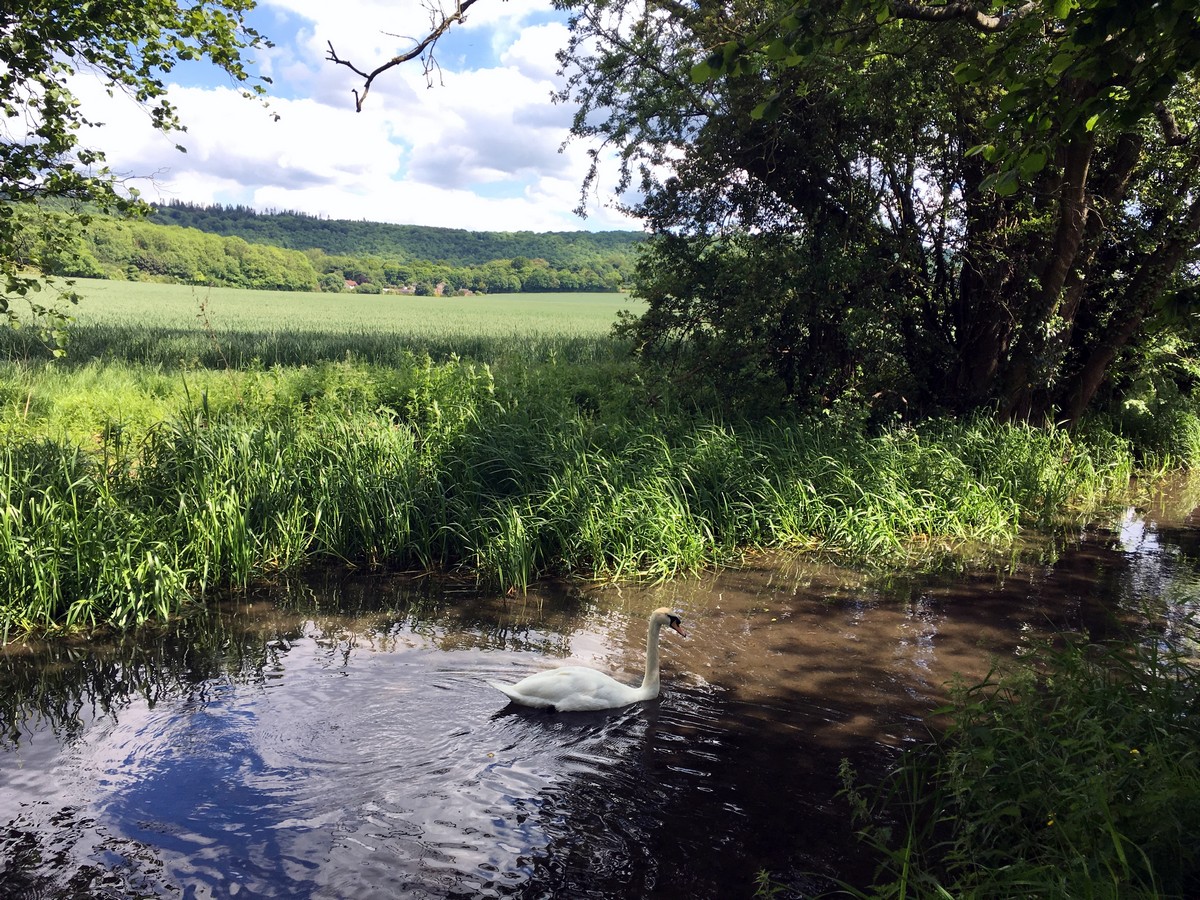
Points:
(195, 482)
(1076, 775)
(196, 441)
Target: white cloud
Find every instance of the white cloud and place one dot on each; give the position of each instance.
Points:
(533, 52)
(480, 152)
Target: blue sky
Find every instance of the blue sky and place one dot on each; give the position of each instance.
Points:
(479, 151)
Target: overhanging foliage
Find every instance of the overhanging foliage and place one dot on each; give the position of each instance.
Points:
(131, 47)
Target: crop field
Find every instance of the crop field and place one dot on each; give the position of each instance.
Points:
(183, 306)
(173, 325)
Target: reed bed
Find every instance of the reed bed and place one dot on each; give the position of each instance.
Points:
(195, 441)
(187, 483)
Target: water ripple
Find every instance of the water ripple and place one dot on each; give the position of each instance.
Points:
(313, 755)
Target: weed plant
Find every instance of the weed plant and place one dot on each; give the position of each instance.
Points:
(1076, 775)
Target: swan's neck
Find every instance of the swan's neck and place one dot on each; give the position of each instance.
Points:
(650, 679)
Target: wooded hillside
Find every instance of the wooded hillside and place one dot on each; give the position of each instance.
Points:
(237, 247)
(454, 246)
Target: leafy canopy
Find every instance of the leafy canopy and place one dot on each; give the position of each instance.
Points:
(132, 46)
(1062, 67)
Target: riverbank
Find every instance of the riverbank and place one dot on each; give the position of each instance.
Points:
(349, 720)
(1071, 774)
(133, 491)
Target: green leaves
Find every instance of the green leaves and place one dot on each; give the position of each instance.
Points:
(131, 44)
(967, 73)
(1017, 167)
(1032, 163)
(768, 109)
(731, 58)
(704, 71)
(1062, 8)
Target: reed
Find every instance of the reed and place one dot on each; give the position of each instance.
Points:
(129, 490)
(1075, 775)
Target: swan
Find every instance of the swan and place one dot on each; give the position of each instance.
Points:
(576, 688)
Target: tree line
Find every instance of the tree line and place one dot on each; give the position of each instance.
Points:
(142, 250)
(563, 250)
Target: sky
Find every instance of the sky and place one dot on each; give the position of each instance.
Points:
(480, 149)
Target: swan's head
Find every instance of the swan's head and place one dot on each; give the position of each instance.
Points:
(665, 616)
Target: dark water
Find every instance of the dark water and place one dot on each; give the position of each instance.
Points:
(340, 741)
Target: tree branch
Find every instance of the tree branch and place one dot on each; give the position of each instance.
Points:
(977, 18)
(440, 22)
(1171, 133)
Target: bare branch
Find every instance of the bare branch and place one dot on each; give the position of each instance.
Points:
(440, 23)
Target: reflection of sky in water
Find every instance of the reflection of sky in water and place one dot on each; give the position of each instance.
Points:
(358, 765)
(359, 757)
(918, 644)
(1135, 535)
(1163, 584)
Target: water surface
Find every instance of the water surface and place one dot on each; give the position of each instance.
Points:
(340, 740)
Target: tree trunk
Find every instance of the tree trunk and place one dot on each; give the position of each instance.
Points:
(1151, 280)
(983, 323)
(1025, 382)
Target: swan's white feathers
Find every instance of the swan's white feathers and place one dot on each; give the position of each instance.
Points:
(571, 689)
(578, 688)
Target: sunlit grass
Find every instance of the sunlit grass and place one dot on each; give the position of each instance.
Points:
(167, 463)
(451, 466)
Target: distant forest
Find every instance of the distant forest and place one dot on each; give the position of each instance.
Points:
(565, 250)
(238, 247)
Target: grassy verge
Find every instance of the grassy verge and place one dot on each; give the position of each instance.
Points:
(195, 441)
(1077, 775)
(127, 490)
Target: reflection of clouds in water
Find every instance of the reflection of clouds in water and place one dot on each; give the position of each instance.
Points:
(1151, 563)
(1163, 584)
(916, 645)
(1134, 534)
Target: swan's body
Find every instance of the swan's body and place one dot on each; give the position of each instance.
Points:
(577, 688)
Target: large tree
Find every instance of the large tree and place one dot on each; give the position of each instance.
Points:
(989, 203)
(131, 45)
(967, 204)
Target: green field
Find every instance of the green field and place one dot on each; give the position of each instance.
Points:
(225, 328)
(139, 352)
(229, 309)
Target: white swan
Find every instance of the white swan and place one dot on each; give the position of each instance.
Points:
(575, 688)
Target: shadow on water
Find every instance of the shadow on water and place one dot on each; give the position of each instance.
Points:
(339, 740)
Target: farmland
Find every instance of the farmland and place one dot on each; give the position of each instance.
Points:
(179, 306)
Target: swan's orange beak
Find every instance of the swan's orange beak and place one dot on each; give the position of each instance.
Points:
(678, 626)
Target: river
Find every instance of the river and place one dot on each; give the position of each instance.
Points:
(337, 738)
